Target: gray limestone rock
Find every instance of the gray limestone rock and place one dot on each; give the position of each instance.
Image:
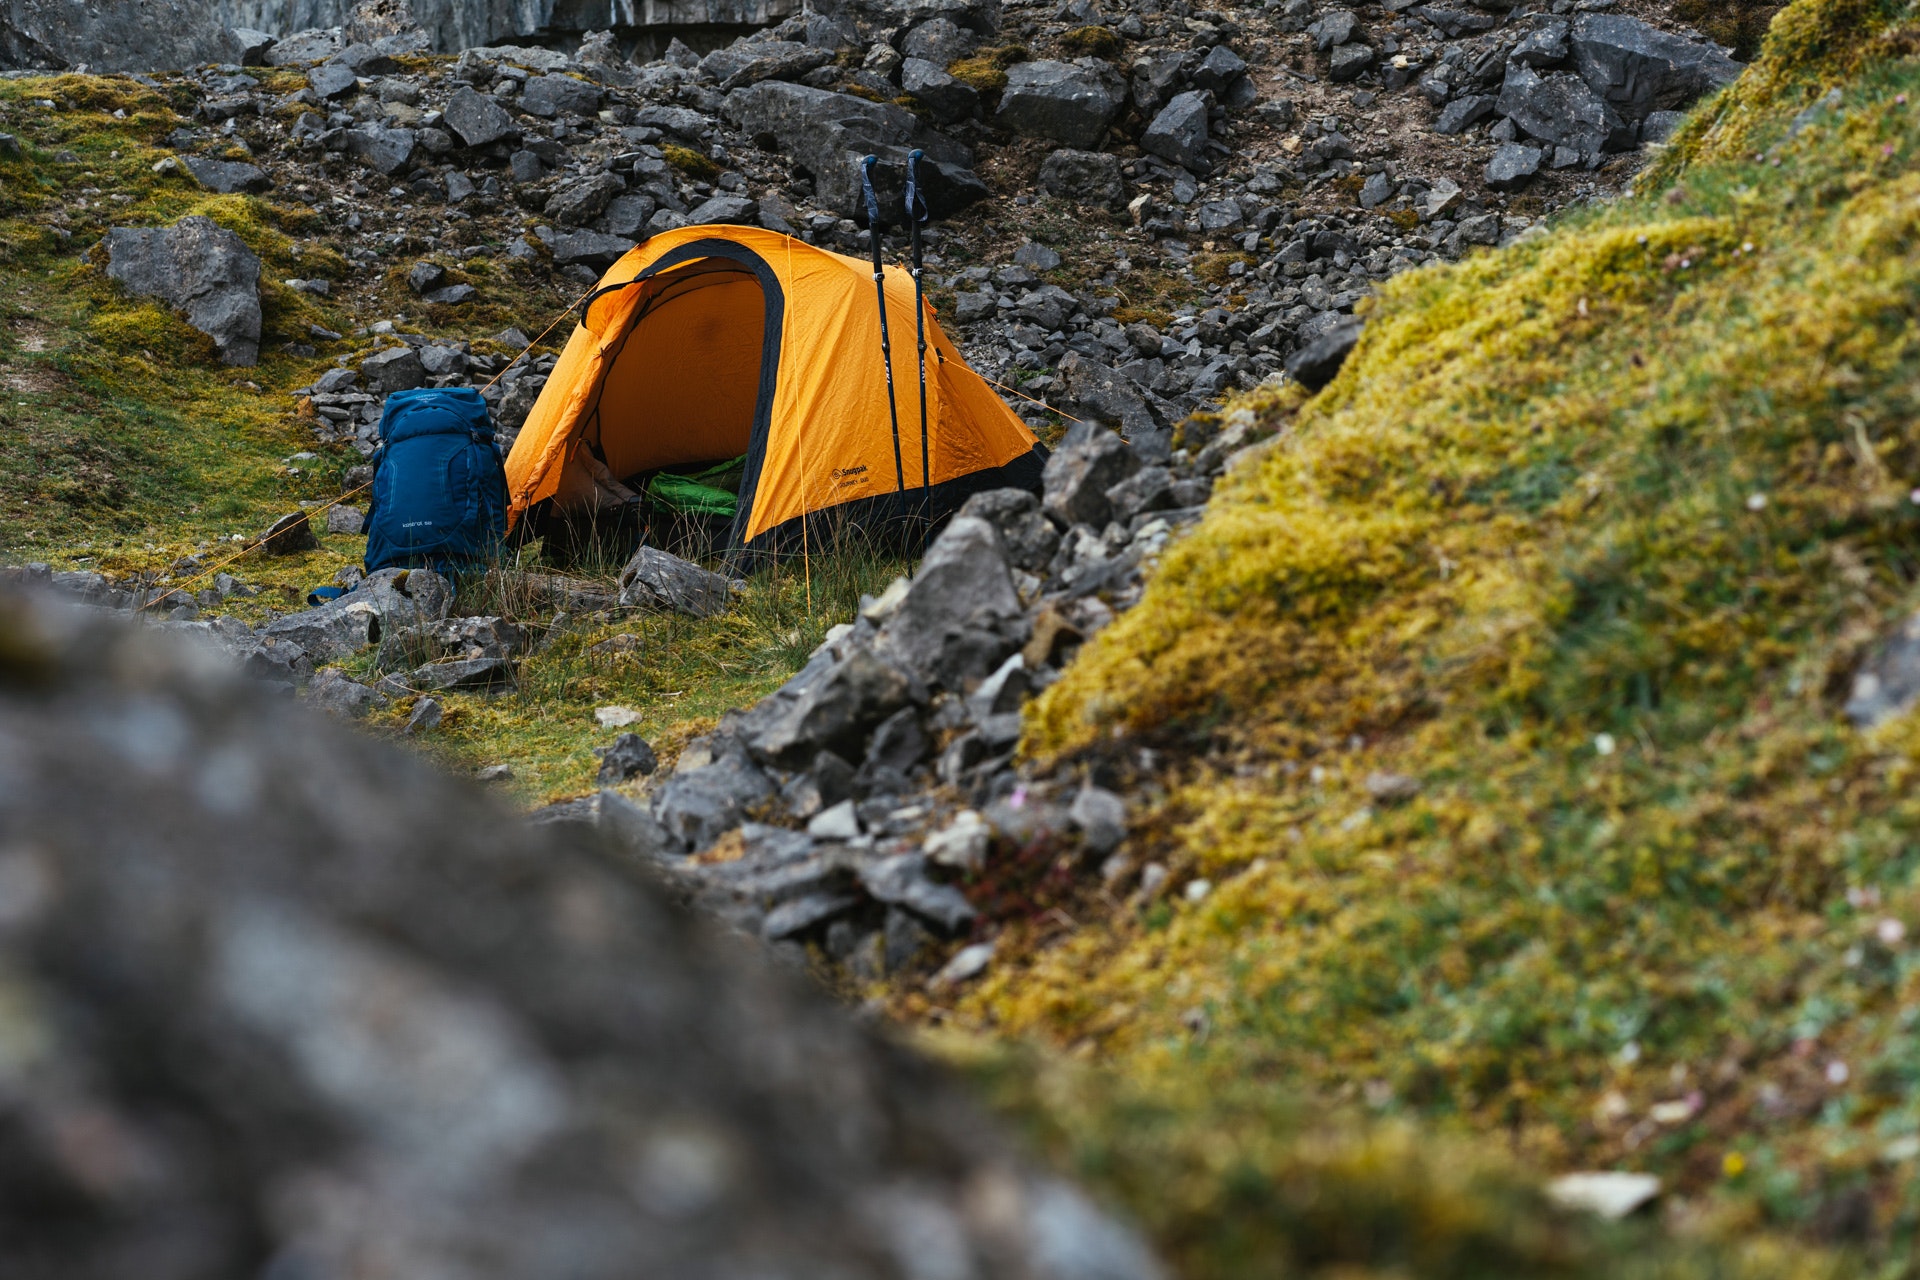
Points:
(394, 369)
(627, 215)
(464, 637)
(949, 100)
(583, 201)
(589, 248)
(462, 673)
(560, 95)
(1639, 69)
(1314, 365)
(168, 36)
(1090, 461)
(1179, 132)
(1220, 72)
(1102, 818)
(701, 805)
(947, 627)
(477, 119)
(902, 881)
(1028, 536)
(1084, 177)
(1349, 62)
(939, 41)
(724, 208)
(385, 151)
(1888, 683)
(499, 1042)
(336, 630)
(333, 692)
(1463, 113)
(1513, 166)
(746, 62)
(315, 44)
(826, 134)
(656, 580)
(1544, 47)
(290, 534)
(835, 712)
(1109, 397)
(331, 80)
(1061, 101)
(1337, 27)
(1560, 109)
(201, 269)
(628, 756)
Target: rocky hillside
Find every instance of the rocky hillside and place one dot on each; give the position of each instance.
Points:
(1486, 770)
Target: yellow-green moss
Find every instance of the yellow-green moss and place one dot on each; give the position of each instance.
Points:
(986, 70)
(691, 162)
(1586, 540)
(1092, 42)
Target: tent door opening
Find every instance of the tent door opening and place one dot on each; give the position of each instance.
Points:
(671, 427)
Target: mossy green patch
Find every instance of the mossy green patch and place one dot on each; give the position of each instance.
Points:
(1497, 700)
(691, 162)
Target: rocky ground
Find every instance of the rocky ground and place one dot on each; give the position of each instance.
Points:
(1138, 212)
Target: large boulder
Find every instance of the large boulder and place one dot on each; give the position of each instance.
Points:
(1178, 134)
(161, 35)
(295, 1002)
(1559, 108)
(1640, 69)
(746, 62)
(946, 631)
(199, 268)
(827, 134)
(1068, 103)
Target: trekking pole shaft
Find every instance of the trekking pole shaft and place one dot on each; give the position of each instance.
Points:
(880, 292)
(916, 214)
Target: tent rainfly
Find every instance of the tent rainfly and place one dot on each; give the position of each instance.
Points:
(711, 343)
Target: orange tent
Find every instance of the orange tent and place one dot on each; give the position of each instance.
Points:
(709, 343)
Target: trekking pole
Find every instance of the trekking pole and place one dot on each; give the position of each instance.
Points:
(880, 290)
(917, 214)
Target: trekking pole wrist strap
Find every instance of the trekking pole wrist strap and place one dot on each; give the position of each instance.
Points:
(866, 189)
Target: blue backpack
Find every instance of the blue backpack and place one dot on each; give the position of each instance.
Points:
(439, 485)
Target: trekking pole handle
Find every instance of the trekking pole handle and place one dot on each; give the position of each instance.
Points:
(916, 205)
(866, 188)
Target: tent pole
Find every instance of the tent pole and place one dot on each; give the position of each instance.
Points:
(917, 214)
(880, 290)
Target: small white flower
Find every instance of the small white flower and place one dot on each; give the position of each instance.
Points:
(1837, 1072)
(1630, 1052)
(1890, 932)
(1603, 743)
(1756, 502)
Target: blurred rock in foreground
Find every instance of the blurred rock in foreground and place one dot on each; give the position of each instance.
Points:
(278, 1001)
